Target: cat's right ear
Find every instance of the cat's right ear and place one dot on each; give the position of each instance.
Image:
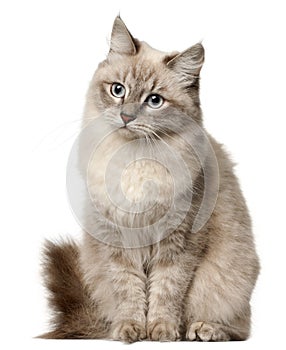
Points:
(188, 64)
(121, 41)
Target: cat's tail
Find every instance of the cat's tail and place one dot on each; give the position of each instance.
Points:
(74, 315)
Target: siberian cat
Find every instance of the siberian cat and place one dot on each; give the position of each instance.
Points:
(167, 250)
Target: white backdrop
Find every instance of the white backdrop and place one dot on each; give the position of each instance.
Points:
(49, 51)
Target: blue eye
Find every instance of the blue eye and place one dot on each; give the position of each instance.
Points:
(154, 101)
(117, 90)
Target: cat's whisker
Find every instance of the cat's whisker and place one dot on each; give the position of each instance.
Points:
(164, 132)
(57, 133)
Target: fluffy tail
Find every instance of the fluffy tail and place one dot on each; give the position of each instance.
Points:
(74, 315)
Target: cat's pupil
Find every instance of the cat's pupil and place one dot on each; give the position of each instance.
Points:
(118, 89)
(155, 99)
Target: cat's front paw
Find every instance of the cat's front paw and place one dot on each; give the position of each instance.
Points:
(161, 330)
(128, 331)
(207, 332)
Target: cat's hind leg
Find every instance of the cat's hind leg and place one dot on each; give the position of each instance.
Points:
(209, 331)
(217, 304)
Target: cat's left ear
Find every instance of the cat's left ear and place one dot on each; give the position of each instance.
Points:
(121, 41)
(188, 63)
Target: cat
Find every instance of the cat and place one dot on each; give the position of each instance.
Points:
(156, 265)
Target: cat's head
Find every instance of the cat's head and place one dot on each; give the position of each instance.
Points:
(142, 91)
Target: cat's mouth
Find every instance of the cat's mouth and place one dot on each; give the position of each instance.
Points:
(136, 131)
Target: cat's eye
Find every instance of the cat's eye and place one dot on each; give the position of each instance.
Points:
(117, 90)
(154, 101)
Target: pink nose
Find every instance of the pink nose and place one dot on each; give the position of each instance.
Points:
(127, 118)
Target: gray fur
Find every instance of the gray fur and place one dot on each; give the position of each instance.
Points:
(194, 286)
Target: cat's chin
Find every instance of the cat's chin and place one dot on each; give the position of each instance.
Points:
(129, 134)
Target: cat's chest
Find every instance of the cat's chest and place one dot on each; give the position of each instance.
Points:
(134, 195)
(140, 181)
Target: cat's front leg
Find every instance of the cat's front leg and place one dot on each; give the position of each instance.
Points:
(129, 290)
(168, 283)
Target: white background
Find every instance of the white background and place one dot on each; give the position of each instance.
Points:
(49, 51)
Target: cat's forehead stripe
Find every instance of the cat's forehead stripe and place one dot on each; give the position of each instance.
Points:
(139, 76)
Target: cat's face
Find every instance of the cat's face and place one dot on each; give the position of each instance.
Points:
(141, 91)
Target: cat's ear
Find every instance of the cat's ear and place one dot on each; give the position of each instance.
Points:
(121, 41)
(189, 62)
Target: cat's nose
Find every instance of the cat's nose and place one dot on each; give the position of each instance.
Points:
(127, 118)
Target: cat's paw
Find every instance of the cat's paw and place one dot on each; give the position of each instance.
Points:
(206, 332)
(161, 330)
(128, 331)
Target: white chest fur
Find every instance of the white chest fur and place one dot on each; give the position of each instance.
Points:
(136, 191)
(125, 179)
